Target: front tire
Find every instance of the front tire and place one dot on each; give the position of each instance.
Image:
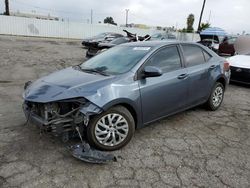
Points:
(112, 129)
(216, 97)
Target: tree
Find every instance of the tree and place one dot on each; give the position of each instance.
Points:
(190, 23)
(204, 26)
(109, 20)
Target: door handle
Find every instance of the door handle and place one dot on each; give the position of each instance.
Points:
(212, 67)
(182, 76)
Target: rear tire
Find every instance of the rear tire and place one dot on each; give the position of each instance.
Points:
(87, 54)
(216, 97)
(111, 130)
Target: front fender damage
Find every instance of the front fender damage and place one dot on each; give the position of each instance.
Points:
(83, 151)
(88, 110)
(68, 118)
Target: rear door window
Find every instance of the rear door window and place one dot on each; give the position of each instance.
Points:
(207, 56)
(193, 55)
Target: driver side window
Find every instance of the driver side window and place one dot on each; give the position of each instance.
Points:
(167, 59)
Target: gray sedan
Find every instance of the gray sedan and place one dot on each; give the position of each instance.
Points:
(127, 87)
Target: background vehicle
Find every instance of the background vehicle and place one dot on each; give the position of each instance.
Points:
(163, 36)
(97, 47)
(240, 68)
(212, 37)
(126, 87)
(100, 37)
(212, 43)
(227, 46)
(240, 63)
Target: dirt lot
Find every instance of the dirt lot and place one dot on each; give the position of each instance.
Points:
(196, 148)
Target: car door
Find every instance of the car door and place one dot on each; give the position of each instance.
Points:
(198, 71)
(167, 93)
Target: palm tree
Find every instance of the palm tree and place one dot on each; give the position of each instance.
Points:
(190, 23)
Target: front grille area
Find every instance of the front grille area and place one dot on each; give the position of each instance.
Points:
(56, 117)
(240, 74)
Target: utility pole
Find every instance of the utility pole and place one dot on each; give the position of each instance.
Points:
(7, 9)
(202, 9)
(91, 16)
(127, 17)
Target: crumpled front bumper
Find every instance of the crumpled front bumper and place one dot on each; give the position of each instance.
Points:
(62, 123)
(81, 151)
(34, 118)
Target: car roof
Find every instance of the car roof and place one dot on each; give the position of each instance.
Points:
(157, 43)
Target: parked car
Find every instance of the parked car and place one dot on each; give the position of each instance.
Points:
(100, 37)
(240, 63)
(240, 68)
(212, 37)
(211, 43)
(227, 46)
(163, 36)
(124, 88)
(97, 47)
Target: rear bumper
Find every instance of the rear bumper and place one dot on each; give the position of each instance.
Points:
(239, 82)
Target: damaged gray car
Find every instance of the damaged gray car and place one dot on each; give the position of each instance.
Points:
(127, 87)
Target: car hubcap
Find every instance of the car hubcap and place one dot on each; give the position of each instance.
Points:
(111, 129)
(217, 96)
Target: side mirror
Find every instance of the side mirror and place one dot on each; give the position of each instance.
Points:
(151, 71)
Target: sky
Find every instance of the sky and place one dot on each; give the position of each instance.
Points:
(231, 15)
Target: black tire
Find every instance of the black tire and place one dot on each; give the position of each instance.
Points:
(120, 110)
(87, 54)
(211, 105)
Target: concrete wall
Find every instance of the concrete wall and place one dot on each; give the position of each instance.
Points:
(11, 25)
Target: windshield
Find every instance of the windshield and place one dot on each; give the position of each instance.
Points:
(101, 35)
(156, 35)
(117, 60)
(119, 40)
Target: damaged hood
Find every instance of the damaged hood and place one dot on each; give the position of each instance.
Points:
(65, 84)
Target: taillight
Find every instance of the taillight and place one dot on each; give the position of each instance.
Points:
(226, 66)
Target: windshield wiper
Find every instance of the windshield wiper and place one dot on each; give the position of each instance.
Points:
(94, 71)
(91, 70)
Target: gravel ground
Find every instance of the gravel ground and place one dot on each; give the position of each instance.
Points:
(196, 148)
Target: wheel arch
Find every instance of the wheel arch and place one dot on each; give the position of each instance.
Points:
(130, 106)
(222, 80)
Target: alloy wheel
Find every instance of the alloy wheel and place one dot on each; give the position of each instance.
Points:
(111, 129)
(217, 96)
